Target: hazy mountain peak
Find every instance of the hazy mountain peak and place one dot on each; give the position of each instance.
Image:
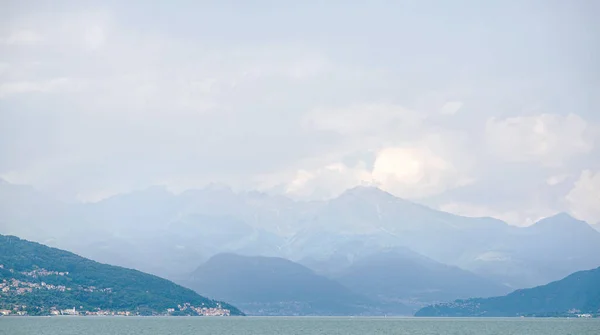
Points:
(367, 192)
(561, 220)
(154, 195)
(562, 216)
(563, 226)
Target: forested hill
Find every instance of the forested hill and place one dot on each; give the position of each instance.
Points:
(38, 280)
(578, 293)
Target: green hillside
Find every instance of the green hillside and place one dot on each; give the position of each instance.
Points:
(578, 293)
(39, 280)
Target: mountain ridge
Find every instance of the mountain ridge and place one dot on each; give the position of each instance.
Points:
(276, 286)
(405, 276)
(182, 231)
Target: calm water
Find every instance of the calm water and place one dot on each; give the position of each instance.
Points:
(288, 326)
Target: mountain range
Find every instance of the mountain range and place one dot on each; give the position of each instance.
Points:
(276, 286)
(394, 282)
(404, 276)
(578, 293)
(39, 280)
(170, 235)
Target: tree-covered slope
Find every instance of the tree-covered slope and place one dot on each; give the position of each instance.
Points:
(47, 280)
(576, 294)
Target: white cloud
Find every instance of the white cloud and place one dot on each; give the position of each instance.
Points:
(557, 179)
(307, 68)
(22, 37)
(547, 138)
(94, 36)
(8, 89)
(362, 119)
(72, 29)
(415, 172)
(4, 68)
(187, 104)
(410, 160)
(451, 107)
(584, 198)
(410, 172)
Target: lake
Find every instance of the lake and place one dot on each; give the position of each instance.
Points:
(293, 325)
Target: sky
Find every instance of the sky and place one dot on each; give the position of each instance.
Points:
(480, 108)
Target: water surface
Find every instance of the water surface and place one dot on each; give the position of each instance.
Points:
(293, 325)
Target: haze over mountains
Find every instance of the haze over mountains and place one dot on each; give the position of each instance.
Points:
(171, 235)
(402, 276)
(481, 109)
(276, 286)
(394, 282)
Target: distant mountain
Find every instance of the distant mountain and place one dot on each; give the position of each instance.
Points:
(25, 210)
(168, 235)
(578, 293)
(400, 275)
(39, 280)
(276, 286)
(383, 221)
(516, 257)
(178, 230)
(546, 251)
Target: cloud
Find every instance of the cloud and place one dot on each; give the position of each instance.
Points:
(94, 36)
(102, 99)
(22, 37)
(451, 107)
(409, 159)
(138, 97)
(584, 198)
(415, 172)
(60, 29)
(362, 118)
(8, 89)
(410, 172)
(548, 139)
(557, 179)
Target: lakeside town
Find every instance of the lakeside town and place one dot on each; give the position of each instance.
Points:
(20, 286)
(199, 311)
(29, 282)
